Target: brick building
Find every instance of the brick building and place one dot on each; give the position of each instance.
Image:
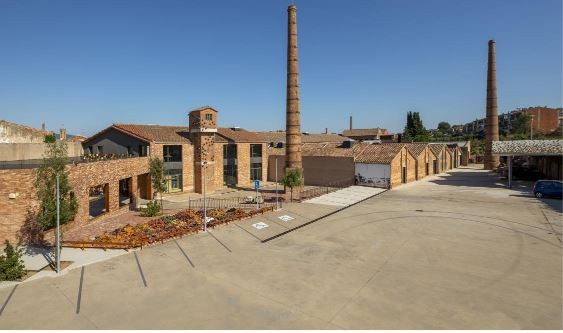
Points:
(113, 175)
(423, 159)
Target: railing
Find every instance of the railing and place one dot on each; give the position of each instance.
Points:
(249, 202)
(321, 190)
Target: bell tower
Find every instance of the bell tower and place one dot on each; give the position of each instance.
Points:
(203, 126)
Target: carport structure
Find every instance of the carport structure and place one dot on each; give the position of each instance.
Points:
(547, 151)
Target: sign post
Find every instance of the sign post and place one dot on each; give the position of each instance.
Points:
(257, 186)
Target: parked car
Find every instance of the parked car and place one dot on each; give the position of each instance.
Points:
(548, 188)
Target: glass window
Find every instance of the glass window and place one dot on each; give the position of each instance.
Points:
(208, 116)
(172, 153)
(256, 162)
(100, 149)
(230, 169)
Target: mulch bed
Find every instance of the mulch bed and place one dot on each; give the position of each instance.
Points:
(185, 222)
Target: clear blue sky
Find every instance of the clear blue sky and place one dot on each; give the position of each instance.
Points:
(87, 64)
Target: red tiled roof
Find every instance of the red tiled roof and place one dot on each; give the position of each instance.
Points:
(239, 135)
(380, 153)
(279, 136)
(324, 149)
(364, 132)
(156, 133)
(416, 148)
(436, 148)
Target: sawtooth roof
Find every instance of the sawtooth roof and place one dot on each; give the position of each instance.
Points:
(437, 148)
(416, 148)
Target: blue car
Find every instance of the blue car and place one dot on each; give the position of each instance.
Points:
(548, 188)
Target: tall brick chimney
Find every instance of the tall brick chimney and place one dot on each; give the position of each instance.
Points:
(491, 130)
(293, 121)
(350, 123)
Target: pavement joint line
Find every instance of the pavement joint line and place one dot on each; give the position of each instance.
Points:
(184, 253)
(79, 299)
(248, 232)
(319, 218)
(225, 246)
(140, 269)
(8, 299)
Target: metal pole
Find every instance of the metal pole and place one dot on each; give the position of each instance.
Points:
(277, 206)
(257, 205)
(204, 200)
(509, 171)
(58, 242)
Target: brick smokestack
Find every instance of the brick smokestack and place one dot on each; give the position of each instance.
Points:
(293, 121)
(350, 123)
(491, 162)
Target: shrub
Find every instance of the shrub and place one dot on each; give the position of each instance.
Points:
(153, 208)
(11, 264)
(168, 218)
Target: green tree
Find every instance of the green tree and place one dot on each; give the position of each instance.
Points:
(158, 177)
(54, 161)
(292, 179)
(444, 127)
(11, 263)
(414, 129)
(521, 125)
(49, 138)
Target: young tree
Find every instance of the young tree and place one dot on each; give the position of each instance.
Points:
(54, 161)
(292, 179)
(158, 177)
(11, 263)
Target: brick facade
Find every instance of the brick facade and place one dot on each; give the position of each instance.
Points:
(81, 177)
(14, 212)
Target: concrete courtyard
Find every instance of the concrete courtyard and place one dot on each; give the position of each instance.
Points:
(454, 251)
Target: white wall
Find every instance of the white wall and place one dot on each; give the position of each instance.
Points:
(373, 174)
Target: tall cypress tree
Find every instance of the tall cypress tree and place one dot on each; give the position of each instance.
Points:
(415, 130)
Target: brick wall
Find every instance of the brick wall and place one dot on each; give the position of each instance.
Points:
(86, 175)
(13, 212)
(218, 180)
(243, 155)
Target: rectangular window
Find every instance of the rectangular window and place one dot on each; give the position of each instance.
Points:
(256, 162)
(172, 153)
(100, 149)
(128, 150)
(142, 150)
(230, 164)
(208, 116)
(90, 150)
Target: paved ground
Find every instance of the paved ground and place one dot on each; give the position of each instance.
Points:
(453, 251)
(346, 196)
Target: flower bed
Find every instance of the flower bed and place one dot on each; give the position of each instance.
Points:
(170, 226)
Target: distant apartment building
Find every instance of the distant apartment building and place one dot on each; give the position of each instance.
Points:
(543, 120)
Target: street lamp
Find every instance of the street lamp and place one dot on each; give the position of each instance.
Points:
(203, 165)
(277, 205)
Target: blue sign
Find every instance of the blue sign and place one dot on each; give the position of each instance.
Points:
(256, 184)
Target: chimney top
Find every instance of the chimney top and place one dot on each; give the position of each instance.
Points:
(492, 41)
(291, 7)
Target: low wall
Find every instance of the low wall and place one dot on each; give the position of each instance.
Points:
(33, 151)
(317, 170)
